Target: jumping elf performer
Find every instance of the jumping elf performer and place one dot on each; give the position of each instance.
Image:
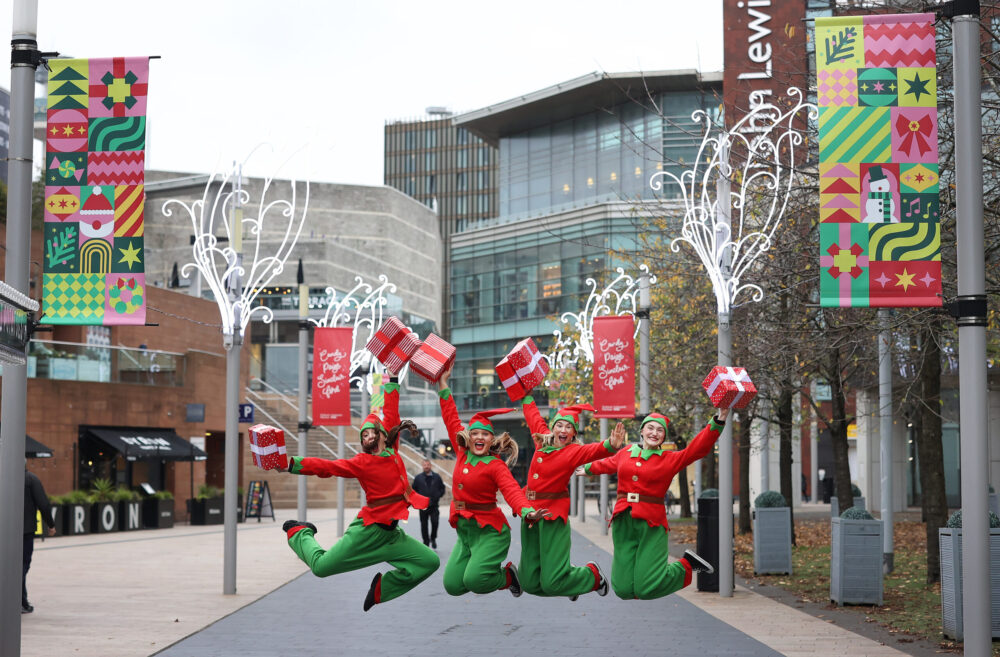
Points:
(482, 529)
(545, 567)
(374, 536)
(640, 569)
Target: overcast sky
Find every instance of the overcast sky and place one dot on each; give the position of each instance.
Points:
(319, 79)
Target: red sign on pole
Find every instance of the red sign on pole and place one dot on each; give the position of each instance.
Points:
(331, 388)
(614, 366)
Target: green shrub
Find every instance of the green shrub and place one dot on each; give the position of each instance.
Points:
(101, 490)
(855, 513)
(855, 491)
(709, 492)
(122, 494)
(206, 492)
(77, 497)
(163, 495)
(770, 499)
(955, 521)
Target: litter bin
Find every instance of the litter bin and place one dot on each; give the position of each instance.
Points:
(708, 541)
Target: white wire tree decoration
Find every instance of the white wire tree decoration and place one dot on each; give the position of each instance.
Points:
(767, 144)
(362, 308)
(220, 213)
(619, 297)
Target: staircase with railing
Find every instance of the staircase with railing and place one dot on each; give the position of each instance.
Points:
(280, 411)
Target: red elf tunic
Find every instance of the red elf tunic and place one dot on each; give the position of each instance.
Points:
(475, 480)
(644, 475)
(552, 466)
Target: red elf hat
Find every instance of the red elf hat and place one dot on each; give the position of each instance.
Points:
(662, 420)
(481, 420)
(372, 422)
(571, 414)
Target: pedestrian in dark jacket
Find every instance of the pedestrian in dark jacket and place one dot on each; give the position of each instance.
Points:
(429, 483)
(35, 500)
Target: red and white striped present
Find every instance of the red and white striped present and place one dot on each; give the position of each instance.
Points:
(267, 445)
(432, 358)
(393, 344)
(522, 369)
(729, 387)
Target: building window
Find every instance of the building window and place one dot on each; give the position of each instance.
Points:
(461, 136)
(461, 205)
(430, 162)
(484, 156)
(484, 203)
(462, 158)
(461, 183)
(484, 179)
(411, 163)
(431, 184)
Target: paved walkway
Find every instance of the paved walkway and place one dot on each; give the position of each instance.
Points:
(159, 592)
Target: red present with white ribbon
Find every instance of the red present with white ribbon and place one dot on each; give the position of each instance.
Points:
(432, 358)
(393, 344)
(522, 369)
(267, 444)
(729, 387)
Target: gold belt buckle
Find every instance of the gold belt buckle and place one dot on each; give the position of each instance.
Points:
(460, 505)
(632, 497)
(530, 494)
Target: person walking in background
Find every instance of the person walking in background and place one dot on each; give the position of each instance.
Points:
(429, 484)
(35, 500)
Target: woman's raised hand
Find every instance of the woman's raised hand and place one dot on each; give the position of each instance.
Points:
(443, 381)
(618, 436)
(723, 414)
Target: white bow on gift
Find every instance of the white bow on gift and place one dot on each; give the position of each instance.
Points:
(731, 374)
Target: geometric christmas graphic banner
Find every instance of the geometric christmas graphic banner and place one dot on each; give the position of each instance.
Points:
(879, 207)
(94, 265)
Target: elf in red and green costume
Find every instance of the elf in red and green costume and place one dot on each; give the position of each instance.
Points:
(640, 569)
(545, 567)
(374, 536)
(483, 532)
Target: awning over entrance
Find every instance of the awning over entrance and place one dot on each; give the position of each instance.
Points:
(144, 444)
(35, 450)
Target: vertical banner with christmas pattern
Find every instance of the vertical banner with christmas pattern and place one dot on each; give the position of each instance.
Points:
(880, 232)
(93, 259)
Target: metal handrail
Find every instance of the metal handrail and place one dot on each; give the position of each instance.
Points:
(295, 407)
(107, 346)
(277, 424)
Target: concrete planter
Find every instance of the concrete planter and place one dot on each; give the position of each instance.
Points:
(129, 516)
(952, 618)
(207, 511)
(157, 513)
(104, 517)
(76, 519)
(859, 503)
(772, 540)
(856, 562)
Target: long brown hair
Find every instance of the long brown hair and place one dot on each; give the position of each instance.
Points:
(392, 439)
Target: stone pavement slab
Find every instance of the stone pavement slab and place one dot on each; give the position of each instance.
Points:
(314, 616)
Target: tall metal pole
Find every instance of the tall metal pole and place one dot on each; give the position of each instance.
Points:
(603, 507)
(765, 445)
(971, 319)
(364, 412)
(645, 301)
(24, 60)
(725, 348)
(341, 484)
(885, 436)
(233, 344)
(813, 449)
(303, 493)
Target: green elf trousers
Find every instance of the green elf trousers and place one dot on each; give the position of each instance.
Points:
(475, 563)
(545, 568)
(361, 547)
(640, 568)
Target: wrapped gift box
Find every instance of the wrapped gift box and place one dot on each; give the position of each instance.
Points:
(267, 444)
(729, 387)
(402, 353)
(522, 369)
(433, 358)
(393, 344)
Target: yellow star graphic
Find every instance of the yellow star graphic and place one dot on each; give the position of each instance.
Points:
(131, 255)
(905, 279)
(68, 130)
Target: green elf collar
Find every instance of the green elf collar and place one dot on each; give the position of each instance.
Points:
(474, 460)
(388, 451)
(638, 451)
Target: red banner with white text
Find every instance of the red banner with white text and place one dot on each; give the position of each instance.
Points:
(614, 366)
(331, 388)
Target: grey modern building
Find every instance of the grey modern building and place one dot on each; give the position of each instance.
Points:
(575, 160)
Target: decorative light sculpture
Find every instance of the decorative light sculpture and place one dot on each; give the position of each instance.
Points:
(619, 297)
(235, 287)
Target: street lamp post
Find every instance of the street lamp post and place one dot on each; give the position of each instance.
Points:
(758, 154)
(222, 269)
